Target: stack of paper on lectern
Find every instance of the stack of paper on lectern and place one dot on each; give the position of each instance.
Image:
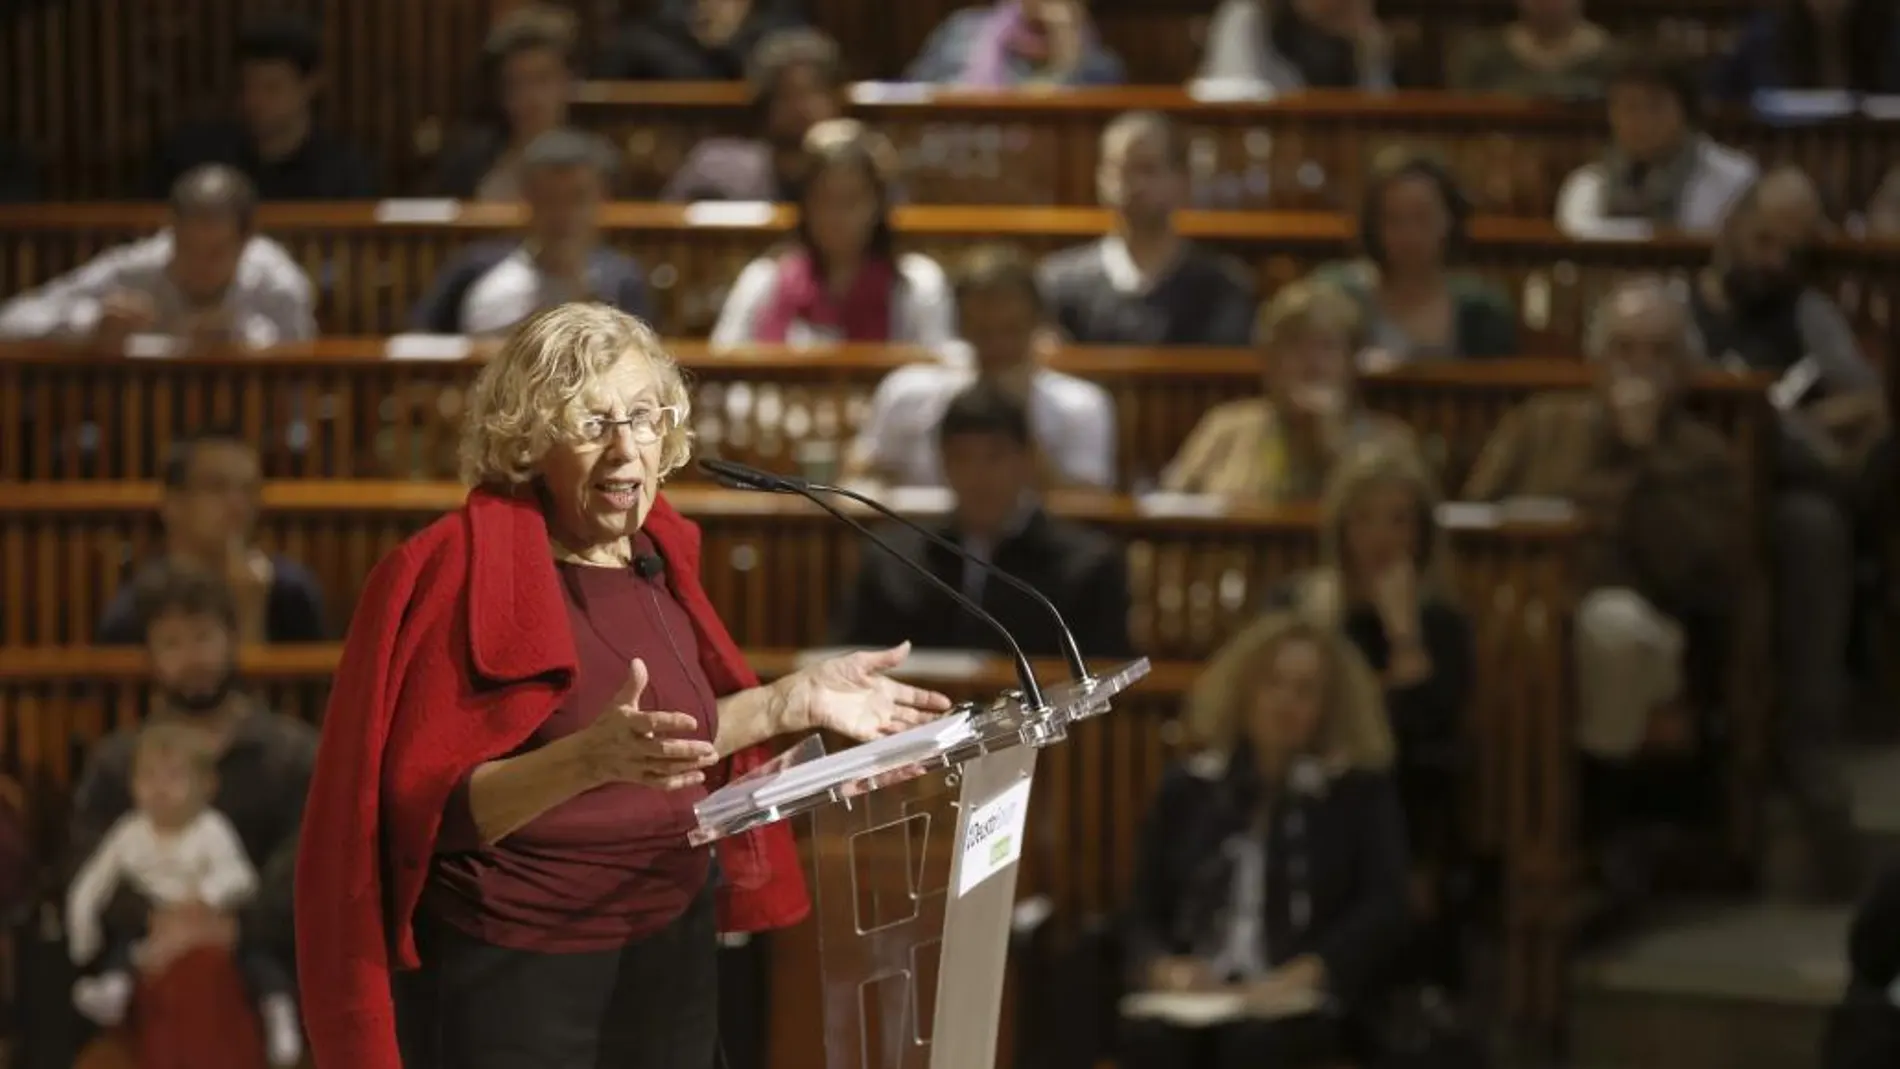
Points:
(869, 759)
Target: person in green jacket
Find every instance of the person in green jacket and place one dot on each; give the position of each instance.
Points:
(1415, 304)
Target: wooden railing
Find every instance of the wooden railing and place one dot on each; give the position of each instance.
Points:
(1091, 791)
(1307, 152)
(357, 408)
(370, 268)
(99, 83)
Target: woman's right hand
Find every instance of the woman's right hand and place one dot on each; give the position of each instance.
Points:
(628, 744)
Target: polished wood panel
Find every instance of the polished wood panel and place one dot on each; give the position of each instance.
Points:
(347, 408)
(1304, 152)
(370, 270)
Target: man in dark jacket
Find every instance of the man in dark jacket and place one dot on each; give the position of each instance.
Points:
(990, 464)
(189, 625)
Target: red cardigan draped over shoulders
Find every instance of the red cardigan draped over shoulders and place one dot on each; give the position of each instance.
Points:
(459, 648)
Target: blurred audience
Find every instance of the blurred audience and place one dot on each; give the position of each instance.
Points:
(1550, 50)
(274, 138)
(1661, 498)
(180, 853)
(208, 508)
(1279, 447)
(1660, 168)
(1382, 581)
(796, 83)
(1003, 319)
(490, 286)
(1144, 284)
(1415, 306)
(1016, 43)
(703, 41)
(528, 81)
(841, 278)
(1288, 45)
(989, 461)
(208, 276)
(1273, 861)
(1759, 310)
(1852, 45)
(190, 628)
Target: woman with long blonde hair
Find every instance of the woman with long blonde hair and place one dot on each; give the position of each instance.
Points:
(1273, 861)
(1382, 581)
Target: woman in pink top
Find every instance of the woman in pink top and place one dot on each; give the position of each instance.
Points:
(840, 278)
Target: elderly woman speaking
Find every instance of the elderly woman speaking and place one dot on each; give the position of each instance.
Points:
(534, 693)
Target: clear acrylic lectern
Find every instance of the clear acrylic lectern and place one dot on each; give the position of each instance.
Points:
(916, 839)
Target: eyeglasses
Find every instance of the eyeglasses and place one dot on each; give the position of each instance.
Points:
(647, 423)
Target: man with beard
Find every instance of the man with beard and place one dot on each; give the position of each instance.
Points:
(263, 771)
(1758, 311)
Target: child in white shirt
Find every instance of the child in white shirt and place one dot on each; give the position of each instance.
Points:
(174, 849)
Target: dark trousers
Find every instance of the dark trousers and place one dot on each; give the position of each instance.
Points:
(652, 1004)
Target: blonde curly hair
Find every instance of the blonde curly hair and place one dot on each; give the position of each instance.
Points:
(1352, 732)
(539, 387)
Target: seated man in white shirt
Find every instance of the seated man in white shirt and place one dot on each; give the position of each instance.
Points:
(1004, 325)
(491, 286)
(208, 276)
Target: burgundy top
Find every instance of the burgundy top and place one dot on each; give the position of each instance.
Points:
(610, 865)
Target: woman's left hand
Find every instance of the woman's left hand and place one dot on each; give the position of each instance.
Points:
(851, 695)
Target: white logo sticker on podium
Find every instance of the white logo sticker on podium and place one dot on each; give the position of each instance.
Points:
(994, 838)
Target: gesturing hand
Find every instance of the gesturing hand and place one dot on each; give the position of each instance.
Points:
(852, 696)
(627, 744)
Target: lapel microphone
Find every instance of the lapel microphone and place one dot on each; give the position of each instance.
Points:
(649, 565)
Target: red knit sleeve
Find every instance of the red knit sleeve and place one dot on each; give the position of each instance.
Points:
(343, 965)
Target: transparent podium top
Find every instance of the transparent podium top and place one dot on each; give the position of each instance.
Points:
(806, 777)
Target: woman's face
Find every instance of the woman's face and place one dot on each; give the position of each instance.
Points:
(535, 84)
(1414, 222)
(1311, 369)
(1286, 709)
(602, 484)
(1380, 528)
(842, 207)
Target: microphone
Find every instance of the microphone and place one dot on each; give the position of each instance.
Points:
(741, 477)
(745, 477)
(648, 565)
